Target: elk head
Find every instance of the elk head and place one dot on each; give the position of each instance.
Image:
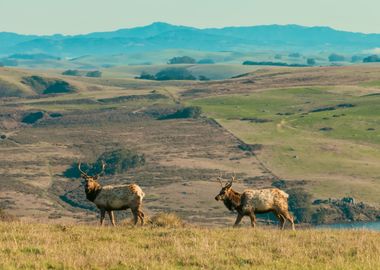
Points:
(225, 188)
(91, 181)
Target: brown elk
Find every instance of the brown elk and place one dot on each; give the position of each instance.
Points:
(255, 201)
(113, 197)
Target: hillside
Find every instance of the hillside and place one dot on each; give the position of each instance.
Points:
(38, 246)
(313, 128)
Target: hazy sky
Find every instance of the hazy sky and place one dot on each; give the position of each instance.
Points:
(83, 16)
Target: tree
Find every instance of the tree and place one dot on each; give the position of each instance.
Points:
(181, 60)
(336, 57)
(300, 204)
(94, 74)
(174, 74)
(117, 161)
(371, 59)
(294, 55)
(146, 76)
(206, 61)
(71, 72)
(356, 58)
(311, 61)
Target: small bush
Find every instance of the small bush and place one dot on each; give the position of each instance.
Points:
(146, 76)
(182, 60)
(167, 220)
(371, 59)
(281, 184)
(294, 55)
(311, 62)
(206, 61)
(186, 112)
(117, 161)
(336, 57)
(94, 74)
(71, 72)
(174, 74)
(32, 118)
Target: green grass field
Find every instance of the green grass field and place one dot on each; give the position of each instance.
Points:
(337, 149)
(38, 246)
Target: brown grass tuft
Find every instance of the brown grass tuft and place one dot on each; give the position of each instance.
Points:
(166, 220)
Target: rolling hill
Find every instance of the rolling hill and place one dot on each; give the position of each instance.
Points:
(160, 36)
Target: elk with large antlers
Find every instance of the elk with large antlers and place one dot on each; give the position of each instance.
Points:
(255, 201)
(113, 197)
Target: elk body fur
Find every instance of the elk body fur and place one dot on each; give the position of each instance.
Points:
(113, 197)
(256, 201)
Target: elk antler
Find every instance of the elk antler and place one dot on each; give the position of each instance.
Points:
(79, 164)
(103, 166)
(220, 179)
(233, 178)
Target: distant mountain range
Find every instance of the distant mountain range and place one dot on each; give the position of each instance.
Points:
(160, 36)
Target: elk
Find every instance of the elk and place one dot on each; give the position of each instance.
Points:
(255, 201)
(113, 197)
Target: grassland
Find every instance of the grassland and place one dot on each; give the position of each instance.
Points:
(38, 246)
(270, 106)
(321, 134)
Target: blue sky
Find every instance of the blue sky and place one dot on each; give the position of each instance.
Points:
(83, 16)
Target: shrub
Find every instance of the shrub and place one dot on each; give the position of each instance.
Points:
(71, 72)
(281, 184)
(336, 57)
(117, 161)
(206, 61)
(300, 204)
(182, 60)
(146, 76)
(32, 118)
(203, 78)
(371, 59)
(294, 55)
(186, 112)
(311, 61)
(174, 74)
(48, 86)
(59, 87)
(356, 58)
(94, 74)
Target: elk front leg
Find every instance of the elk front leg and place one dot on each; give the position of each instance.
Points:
(112, 217)
(238, 219)
(135, 216)
(102, 216)
(141, 216)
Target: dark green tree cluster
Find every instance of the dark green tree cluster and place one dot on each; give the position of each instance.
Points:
(300, 204)
(336, 57)
(117, 161)
(181, 60)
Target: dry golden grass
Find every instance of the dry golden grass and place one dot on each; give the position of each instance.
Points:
(40, 246)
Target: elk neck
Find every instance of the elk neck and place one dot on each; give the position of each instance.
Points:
(232, 200)
(92, 190)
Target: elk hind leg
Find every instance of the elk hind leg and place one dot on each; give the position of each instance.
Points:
(253, 219)
(102, 216)
(112, 217)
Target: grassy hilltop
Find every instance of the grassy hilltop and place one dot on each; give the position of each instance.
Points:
(39, 246)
